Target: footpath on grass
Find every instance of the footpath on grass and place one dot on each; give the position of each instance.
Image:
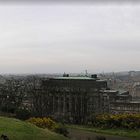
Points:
(90, 133)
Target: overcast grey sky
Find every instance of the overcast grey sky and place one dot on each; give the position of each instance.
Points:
(71, 38)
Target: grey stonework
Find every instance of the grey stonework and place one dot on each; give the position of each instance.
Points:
(74, 99)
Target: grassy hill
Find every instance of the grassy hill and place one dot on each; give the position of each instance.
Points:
(19, 130)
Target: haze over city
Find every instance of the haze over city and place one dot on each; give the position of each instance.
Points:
(50, 38)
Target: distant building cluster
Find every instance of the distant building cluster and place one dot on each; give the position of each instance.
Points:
(71, 98)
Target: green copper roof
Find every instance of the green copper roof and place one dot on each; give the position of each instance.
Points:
(76, 78)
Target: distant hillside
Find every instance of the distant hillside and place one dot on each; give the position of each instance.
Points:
(19, 130)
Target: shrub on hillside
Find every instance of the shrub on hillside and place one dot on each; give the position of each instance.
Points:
(43, 122)
(61, 129)
(50, 124)
(22, 114)
(128, 121)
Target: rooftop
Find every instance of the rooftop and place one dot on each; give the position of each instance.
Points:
(75, 78)
(110, 91)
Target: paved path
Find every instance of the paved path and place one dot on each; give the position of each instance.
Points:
(76, 134)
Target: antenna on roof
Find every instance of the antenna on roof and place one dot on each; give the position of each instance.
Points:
(86, 73)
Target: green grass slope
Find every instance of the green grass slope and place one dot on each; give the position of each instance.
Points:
(19, 130)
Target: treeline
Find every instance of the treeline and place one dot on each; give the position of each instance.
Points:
(126, 121)
(19, 94)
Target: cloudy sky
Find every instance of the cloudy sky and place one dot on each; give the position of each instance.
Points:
(51, 38)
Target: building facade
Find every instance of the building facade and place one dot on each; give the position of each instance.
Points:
(74, 98)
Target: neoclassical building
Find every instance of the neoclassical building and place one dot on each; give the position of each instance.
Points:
(75, 99)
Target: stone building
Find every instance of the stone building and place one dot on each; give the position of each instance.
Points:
(75, 98)
(125, 107)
